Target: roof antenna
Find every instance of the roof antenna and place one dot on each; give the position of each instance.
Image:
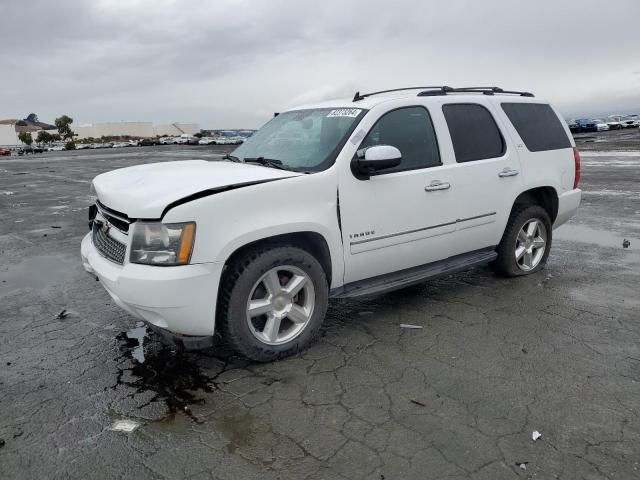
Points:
(357, 97)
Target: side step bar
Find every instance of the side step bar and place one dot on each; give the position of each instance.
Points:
(411, 276)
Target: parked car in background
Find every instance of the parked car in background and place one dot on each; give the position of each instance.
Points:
(253, 247)
(30, 150)
(574, 127)
(615, 122)
(148, 142)
(166, 141)
(592, 125)
(82, 146)
(121, 144)
(631, 121)
(5, 152)
(206, 141)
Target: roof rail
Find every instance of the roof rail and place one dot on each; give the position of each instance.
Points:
(433, 91)
(357, 97)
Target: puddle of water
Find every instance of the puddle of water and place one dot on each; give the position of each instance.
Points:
(35, 273)
(135, 341)
(584, 234)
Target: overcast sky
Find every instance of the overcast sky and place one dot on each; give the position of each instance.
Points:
(232, 63)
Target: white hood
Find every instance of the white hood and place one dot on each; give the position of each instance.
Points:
(144, 191)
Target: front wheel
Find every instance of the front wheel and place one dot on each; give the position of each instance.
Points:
(526, 242)
(273, 302)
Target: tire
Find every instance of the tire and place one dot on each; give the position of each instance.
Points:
(252, 278)
(513, 242)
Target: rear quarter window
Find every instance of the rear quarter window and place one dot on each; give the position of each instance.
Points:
(538, 126)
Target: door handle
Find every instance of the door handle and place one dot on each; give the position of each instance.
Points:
(437, 185)
(508, 172)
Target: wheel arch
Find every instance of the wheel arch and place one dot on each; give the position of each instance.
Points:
(313, 242)
(545, 196)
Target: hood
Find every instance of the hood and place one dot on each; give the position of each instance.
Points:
(144, 191)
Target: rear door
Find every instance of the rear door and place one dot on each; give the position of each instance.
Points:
(487, 175)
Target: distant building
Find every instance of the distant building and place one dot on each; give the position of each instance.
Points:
(114, 129)
(9, 130)
(177, 129)
(8, 134)
(133, 129)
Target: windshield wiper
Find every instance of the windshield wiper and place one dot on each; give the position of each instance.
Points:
(267, 162)
(231, 158)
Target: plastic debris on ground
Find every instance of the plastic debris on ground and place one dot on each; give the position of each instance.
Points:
(522, 465)
(407, 325)
(124, 426)
(536, 435)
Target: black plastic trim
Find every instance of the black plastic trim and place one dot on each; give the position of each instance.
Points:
(411, 276)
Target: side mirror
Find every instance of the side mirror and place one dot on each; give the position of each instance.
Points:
(370, 160)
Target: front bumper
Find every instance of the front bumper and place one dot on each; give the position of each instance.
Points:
(180, 299)
(568, 204)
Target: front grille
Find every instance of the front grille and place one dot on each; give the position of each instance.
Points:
(119, 220)
(108, 247)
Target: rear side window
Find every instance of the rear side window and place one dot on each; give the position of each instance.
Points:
(410, 130)
(474, 132)
(538, 126)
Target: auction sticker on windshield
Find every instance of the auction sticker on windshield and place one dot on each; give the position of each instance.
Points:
(344, 112)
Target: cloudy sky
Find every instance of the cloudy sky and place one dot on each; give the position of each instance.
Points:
(232, 63)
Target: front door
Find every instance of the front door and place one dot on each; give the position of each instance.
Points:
(402, 217)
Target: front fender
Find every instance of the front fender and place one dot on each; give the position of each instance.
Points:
(230, 220)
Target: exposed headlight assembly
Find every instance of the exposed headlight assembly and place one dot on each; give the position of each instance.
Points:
(162, 244)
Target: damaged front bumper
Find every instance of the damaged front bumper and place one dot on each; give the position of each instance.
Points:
(179, 302)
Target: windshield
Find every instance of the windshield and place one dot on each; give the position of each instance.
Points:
(305, 140)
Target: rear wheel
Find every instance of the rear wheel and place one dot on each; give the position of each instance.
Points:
(526, 242)
(273, 302)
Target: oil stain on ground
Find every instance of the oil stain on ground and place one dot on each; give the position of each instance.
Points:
(176, 378)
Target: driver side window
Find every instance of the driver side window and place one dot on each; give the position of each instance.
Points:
(411, 131)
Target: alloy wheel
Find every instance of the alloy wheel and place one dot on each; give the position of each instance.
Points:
(531, 244)
(280, 305)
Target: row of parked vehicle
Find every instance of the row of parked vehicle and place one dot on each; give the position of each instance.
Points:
(612, 122)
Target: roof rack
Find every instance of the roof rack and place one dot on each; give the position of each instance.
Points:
(357, 97)
(484, 90)
(444, 90)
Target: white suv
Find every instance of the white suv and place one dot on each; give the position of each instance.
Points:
(337, 199)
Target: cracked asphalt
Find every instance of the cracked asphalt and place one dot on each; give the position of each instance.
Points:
(556, 352)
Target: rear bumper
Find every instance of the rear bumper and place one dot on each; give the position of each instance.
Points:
(180, 299)
(568, 204)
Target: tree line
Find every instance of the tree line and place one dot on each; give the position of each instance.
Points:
(63, 124)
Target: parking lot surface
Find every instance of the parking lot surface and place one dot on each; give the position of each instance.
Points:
(497, 359)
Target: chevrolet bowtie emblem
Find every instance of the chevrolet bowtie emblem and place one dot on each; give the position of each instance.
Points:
(104, 228)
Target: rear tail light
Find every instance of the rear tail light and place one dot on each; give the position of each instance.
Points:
(576, 159)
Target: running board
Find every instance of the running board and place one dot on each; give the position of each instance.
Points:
(411, 276)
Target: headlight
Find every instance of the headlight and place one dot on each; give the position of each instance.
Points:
(162, 243)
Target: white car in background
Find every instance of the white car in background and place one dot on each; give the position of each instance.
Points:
(206, 141)
(615, 122)
(631, 121)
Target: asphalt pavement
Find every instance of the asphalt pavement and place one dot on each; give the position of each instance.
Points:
(87, 392)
